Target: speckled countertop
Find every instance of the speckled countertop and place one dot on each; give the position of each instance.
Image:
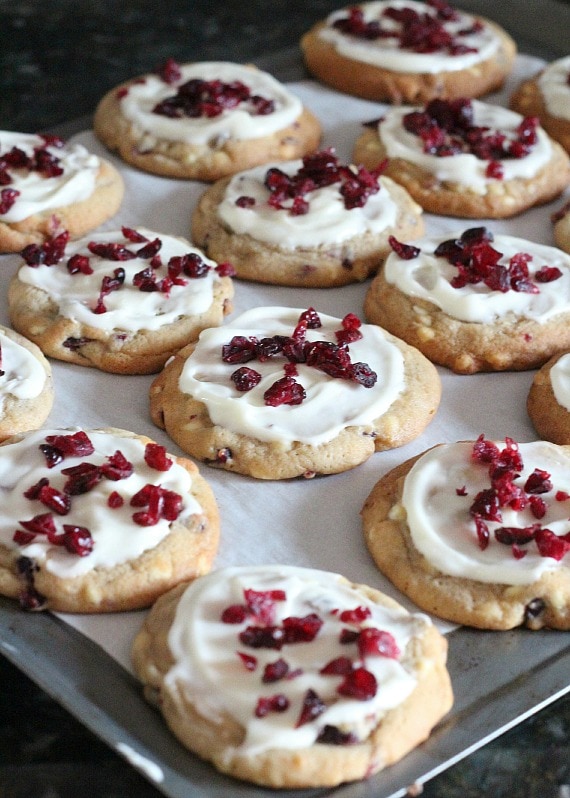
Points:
(57, 59)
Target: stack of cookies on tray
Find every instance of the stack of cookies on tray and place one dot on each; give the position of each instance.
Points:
(302, 678)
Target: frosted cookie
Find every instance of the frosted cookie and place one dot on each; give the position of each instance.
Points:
(467, 158)
(547, 96)
(204, 120)
(26, 387)
(408, 52)
(561, 227)
(475, 302)
(47, 186)
(100, 520)
(121, 301)
(292, 677)
(478, 532)
(548, 401)
(280, 393)
(310, 223)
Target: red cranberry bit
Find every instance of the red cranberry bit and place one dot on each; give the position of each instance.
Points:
(552, 545)
(404, 251)
(275, 703)
(359, 684)
(77, 540)
(161, 503)
(262, 637)
(347, 636)
(34, 491)
(275, 671)
(133, 235)
(547, 274)
(225, 270)
(59, 502)
(377, 642)
(117, 467)
(77, 444)
(301, 630)
(79, 264)
(337, 667)
(313, 706)
(115, 500)
(43, 524)
(74, 344)
(483, 534)
(332, 735)
(245, 378)
(249, 662)
(538, 482)
(201, 98)
(245, 202)
(109, 284)
(49, 253)
(8, 197)
(239, 350)
(261, 603)
(155, 456)
(356, 616)
(235, 613)
(169, 71)
(82, 478)
(110, 250)
(286, 391)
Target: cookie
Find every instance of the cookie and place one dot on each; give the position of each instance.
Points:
(26, 386)
(100, 520)
(547, 96)
(48, 186)
(309, 223)
(301, 678)
(120, 301)
(477, 532)
(408, 52)
(318, 395)
(204, 120)
(467, 158)
(561, 227)
(475, 302)
(548, 401)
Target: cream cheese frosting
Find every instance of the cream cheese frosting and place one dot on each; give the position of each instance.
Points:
(429, 277)
(437, 495)
(209, 672)
(23, 376)
(39, 193)
(330, 405)
(387, 54)
(555, 88)
(116, 537)
(127, 308)
(327, 222)
(239, 123)
(465, 169)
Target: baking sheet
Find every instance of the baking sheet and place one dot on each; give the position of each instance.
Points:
(83, 661)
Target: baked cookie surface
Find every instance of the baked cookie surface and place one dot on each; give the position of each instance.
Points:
(478, 533)
(467, 158)
(100, 520)
(281, 393)
(204, 120)
(313, 222)
(548, 401)
(253, 698)
(49, 186)
(408, 52)
(547, 96)
(26, 385)
(561, 227)
(474, 301)
(121, 301)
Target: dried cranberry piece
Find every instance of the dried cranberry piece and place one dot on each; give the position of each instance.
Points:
(155, 456)
(77, 540)
(377, 642)
(249, 662)
(286, 391)
(348, 636)
(483, 534)
(484, 451)
(42, 524)
(57, 447)
(235, 613)
(486, 505)
(115, 500)
(551, 545)
(262, 637)
(337, 667)
(357, 615)
(313, 706)
(169, 71)
(161, 503)
(245, 202)
(8, 197)
(59, 502)
(261, 603)
(110, 250)
(274, 703)
(133, 235)
(359, 684)
(239, 350)
(275, 671)
(79, 264)
(301, 630)
(510, 535)
(117, 467)
(404, 251)
(82, 478)
(245, 378)
(538, 482)
(332, 735)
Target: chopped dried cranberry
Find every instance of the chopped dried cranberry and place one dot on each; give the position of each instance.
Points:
(235, 613)
(245, 378)
(359, 684)
(519, 535)
(115, 500)
(43, 524)
(538, 482)
(274, 703)
(245, 202)
(110, 250)
(337, 667)
(77, 540)
(357, 615)
(551, 545)
(301, 630)
(262, 637)
(59, 502)
(286, 391)
(117, 467)
(34, 491)
(274, 671)
(538, 506)
(155, 456)
(404, 251)
(161, 503)
(239, 350)
(332, 735)
(169, 71)
(377, 642)
(261, 603)
(202, 98)
(483, 534)
(249, 662)
(313, 706)
(82, 478)
(547, 274)
(79, 264)
(133, 235)
(8, 197)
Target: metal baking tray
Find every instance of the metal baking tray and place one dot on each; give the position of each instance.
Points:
(499, 679)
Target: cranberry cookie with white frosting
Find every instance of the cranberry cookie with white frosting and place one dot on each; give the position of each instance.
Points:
(313, 222)
(48, 186)
(467, 158)
(121, 301)
(561, 227)
(292, 677)
(100, 520)
(475, 302)
(478, 532)
(548, 401)
(408, 52)
(547, 96)
(281, 393)
(26, 386)
(204, 120)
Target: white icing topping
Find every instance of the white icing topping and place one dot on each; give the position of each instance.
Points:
(117, 538)
(330, 405)
(429, 277)
(209, 672)
(24, 376)
(327, 222)
(560, 381)
(465, 168)
(555, 89)
(128, 308)
(236, 123)
(39, 193)
(444, 531)
(387, 54)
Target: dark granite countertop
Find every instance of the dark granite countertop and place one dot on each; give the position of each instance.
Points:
(57, 59)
